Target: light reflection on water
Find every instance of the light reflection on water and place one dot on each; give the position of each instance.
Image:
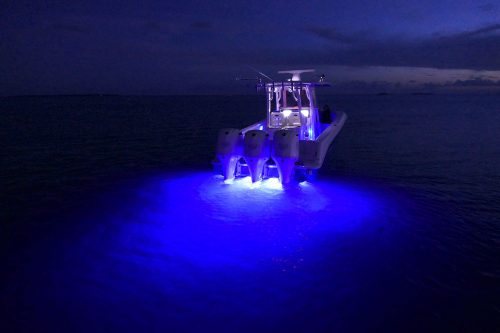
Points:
(238, 256)
(208, 221)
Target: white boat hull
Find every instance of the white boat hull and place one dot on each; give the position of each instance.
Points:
(253, 149)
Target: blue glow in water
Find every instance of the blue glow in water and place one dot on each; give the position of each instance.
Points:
(209, 221)
(237, 256)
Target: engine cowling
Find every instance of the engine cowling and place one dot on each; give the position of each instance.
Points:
(229, 150)
(256, 151)
(285, 153)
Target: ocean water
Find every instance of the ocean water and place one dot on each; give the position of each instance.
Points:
(111, 219)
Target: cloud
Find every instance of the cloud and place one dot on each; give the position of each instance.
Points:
(333, 35)
(483, 31)
(476, 82)
(374, 87)
(413, 15)
(475, 49)
(487, 7)
(70, 27)
(200, 25)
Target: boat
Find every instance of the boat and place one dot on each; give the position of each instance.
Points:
(290, 143)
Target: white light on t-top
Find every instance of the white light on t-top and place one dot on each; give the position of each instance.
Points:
(287, 113)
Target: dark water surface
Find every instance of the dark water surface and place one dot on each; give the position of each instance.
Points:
(112, 221)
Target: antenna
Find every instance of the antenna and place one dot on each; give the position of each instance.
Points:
(296, 73)
(260, 73)
(258, 79)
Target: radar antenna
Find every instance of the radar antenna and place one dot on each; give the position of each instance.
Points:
(296, 73)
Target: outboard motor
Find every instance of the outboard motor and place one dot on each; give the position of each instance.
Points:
(256, 151)
(285, 153)
(229, 150)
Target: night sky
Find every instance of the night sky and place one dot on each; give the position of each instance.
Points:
(179, 47)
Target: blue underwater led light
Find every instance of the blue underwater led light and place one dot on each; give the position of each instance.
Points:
(211, 221)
